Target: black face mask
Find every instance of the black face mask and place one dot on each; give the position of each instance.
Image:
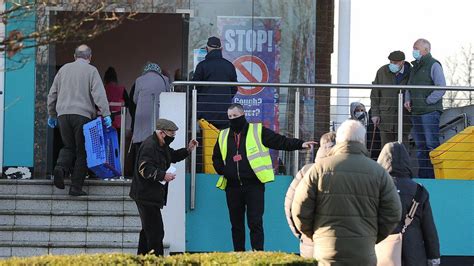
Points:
(237, 124)
(168, 140)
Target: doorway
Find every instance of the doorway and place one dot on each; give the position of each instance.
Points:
(158, 38)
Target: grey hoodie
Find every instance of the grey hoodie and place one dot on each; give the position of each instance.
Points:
(365, 118)
(420, 240)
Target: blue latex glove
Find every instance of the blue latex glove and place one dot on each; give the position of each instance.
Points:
(108, 121)
(52, 122)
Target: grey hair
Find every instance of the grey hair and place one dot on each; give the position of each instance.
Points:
(351, 130)
(237, 106)
(83, 51)
(425, 43)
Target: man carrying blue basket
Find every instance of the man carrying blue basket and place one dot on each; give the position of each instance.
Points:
(150, 182)
(76, 91)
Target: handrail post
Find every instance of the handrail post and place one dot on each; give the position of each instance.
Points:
(123, 115)
(193, 153)
(153, 117)
(400, 116)
(297, 129)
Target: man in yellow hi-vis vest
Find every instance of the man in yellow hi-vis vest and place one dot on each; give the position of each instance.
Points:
(241, 156)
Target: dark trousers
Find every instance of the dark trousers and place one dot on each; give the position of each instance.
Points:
(240, 199)
(73, 151)
(152, 233)
(134, 155)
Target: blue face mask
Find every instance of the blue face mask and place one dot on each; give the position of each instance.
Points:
(394, 68)
(417, 54)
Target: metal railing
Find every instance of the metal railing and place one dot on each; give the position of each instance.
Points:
(296, 86)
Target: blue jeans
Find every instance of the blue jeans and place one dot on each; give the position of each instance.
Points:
(426, 135)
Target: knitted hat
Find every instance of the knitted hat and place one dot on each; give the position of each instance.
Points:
(151, 67)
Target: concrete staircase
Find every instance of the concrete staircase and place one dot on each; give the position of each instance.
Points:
(36, 218)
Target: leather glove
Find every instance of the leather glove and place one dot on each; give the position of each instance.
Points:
(108, 121)
(52, 122)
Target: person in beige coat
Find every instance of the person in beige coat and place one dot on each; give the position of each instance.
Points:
(326, 142)
(347, 202)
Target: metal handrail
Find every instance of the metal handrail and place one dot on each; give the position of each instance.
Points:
(317, 85)
(297, 86)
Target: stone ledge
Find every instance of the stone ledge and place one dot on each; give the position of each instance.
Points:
(70, 244)
(65, 197)
(68, 213)
(87, 182)
(37, 228)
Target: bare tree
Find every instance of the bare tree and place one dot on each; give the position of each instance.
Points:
(88, 19)
(460, 72)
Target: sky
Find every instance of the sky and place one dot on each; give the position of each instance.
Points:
(381, 26)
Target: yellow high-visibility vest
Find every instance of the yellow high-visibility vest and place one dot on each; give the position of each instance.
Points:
(257, 154)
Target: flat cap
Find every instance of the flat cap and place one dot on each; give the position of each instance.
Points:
(165, 124)
(396, 56)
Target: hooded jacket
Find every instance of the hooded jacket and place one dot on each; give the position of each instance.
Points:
(346, 203)
(363, 119)
(420, 240)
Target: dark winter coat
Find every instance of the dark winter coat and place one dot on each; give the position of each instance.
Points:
(214, 101)
(384, 103)
(420, 240)
(152, 162)
(245, 174)
(346, 203)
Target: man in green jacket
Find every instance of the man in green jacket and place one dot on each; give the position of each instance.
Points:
(347, 202)
(384, 103)
(425, 105)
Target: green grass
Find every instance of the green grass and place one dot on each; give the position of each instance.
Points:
(233, 258)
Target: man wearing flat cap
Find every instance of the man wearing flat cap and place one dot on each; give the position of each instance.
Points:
(384, 103)
(213, 101)
(150, 182)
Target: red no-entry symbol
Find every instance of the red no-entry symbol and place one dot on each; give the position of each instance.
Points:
(250, 69)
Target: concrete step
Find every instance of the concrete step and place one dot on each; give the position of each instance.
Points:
(28, 248)
(38, 219)
(66, 202)
(46, 187)
(69, 218)
(70, 233)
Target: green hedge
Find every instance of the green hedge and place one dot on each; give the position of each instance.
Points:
(233, 258)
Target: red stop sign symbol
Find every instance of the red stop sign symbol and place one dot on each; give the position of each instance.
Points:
(250, 69)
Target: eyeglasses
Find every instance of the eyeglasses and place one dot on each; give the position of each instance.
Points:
(169, 133)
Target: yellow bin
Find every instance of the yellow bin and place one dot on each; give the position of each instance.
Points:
(454, 159)
(209, 138)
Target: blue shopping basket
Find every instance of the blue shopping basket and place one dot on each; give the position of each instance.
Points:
(102, 148)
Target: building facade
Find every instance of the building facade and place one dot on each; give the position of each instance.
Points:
(293, 39)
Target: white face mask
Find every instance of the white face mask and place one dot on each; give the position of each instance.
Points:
(359, 115)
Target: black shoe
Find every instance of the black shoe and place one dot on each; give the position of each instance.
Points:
(58, 180)
(77, 192)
